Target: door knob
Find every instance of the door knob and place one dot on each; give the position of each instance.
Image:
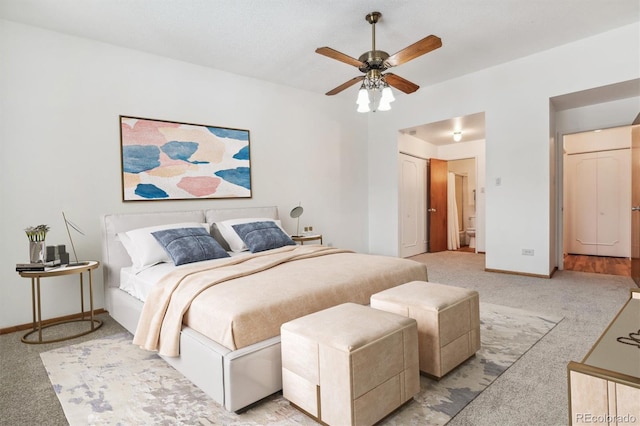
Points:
(635, 209)
(431, 210)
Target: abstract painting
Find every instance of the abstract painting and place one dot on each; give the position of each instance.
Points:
(165, 160)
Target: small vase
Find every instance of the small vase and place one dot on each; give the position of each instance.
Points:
(37, 251)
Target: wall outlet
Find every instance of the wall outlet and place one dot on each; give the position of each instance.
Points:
(528, 252)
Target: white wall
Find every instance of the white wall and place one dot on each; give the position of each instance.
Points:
(515, 99)
(60, 98)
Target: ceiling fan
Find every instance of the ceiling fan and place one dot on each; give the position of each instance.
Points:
(374, 63)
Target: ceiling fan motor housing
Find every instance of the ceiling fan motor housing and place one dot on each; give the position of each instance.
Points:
(373, 60)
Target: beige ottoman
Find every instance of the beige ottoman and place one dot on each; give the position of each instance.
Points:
(350, 364)
(448, 321)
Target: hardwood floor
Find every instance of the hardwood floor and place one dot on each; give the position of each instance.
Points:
(598, 264)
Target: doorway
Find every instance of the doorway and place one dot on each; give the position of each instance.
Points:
(452, 205)
(596, 201)
(435, 141)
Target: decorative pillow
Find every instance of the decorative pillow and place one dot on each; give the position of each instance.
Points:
(188, 245)
(144, 249)
(230, 235)
(129, 246)
(215, 233)
(261, 236)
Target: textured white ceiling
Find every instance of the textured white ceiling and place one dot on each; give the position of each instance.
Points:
(441, 132)
(275, 40)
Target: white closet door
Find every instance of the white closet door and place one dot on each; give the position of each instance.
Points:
(614, 203)
(583, 203)
(413, 207)
(599, 203)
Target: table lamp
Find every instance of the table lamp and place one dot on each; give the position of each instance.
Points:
(295, 213)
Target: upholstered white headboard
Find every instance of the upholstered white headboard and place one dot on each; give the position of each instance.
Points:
(115, 257)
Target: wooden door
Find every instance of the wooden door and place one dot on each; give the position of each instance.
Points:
(635, 202)
(437, 215)
(413, 205)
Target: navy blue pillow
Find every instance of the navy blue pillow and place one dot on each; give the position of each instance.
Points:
(261, 236)
(188, 245)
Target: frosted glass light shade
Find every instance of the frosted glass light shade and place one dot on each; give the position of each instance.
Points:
(387, 95)
(363, 96)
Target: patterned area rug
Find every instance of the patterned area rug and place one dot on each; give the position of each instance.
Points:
(111, 381)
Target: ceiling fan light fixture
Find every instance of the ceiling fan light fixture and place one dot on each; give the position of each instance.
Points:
(374, 94)
(363, 95)
(387, 95)
(363, 108)
(363, 99)
(384, 106)
(457, 136)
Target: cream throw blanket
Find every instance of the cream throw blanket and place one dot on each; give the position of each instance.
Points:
(161, 319)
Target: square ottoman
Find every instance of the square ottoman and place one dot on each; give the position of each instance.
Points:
(350, 364)
(448, 321)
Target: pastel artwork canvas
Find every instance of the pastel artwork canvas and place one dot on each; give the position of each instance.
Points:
(163, 160)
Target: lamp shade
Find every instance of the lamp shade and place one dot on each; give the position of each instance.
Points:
(387, 95)
(363, 107)
(295, 213)
(384, 106)
(363, 96)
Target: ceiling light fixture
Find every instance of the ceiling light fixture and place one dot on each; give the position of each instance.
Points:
(374, 94)
(457, 136)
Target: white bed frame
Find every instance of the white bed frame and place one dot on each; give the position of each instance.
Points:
(234, 379)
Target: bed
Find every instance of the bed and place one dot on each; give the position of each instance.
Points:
(236, 360)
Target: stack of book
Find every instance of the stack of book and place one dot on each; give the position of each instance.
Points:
(29, 267)
(34, 267)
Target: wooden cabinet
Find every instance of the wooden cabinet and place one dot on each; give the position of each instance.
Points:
(605, 387)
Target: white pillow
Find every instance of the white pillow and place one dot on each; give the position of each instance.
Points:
(144, 249)
(232, 238)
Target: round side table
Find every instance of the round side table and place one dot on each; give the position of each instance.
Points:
(306, 238)
(36, 301)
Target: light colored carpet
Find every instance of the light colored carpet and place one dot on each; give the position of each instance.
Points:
(110, 381)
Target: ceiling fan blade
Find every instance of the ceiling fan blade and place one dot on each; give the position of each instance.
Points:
(338, 56)
(345, 85)
(400, 83)
(418, 48)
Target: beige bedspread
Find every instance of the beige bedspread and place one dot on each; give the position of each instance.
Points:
(245, 300)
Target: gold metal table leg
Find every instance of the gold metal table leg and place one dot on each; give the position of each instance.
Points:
(33, 302)
(91, 298)
(39, 311)
(82, 297)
